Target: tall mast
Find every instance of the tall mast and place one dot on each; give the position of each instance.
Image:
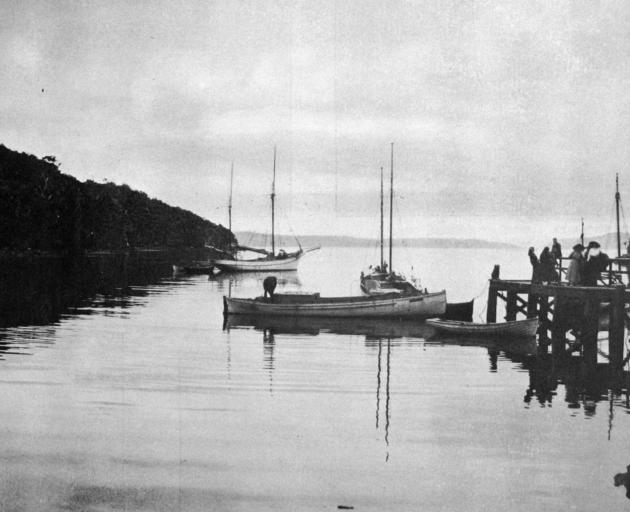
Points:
(391, 205)
(617, 197)
(382, 260)
(582, 233)
(273, 205)
(230, 203)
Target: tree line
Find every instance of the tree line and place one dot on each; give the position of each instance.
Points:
(42, 209)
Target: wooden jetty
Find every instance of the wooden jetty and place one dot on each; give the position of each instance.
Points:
(562, 308)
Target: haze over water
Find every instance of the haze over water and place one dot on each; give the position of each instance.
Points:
(137, 398)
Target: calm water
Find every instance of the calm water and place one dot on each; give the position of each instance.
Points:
(123, 390)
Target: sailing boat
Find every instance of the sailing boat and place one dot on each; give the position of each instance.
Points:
(270, 261)
(380, 280)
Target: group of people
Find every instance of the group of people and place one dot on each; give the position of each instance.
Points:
(544, 267)
(585, 266)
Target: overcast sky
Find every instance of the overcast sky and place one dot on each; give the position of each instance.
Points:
(498, 110)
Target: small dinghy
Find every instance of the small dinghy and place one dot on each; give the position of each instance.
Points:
(514, 329)
(195, 268)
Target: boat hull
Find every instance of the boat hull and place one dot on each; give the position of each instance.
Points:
(259, 265)
(395, 306)
(193, 269)
(514, 329)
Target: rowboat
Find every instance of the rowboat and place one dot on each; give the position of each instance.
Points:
(512, 329)
(382, 306)
(195, 268)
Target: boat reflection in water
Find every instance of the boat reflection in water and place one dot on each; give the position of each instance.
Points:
(382, 337)
(369, 327)
(225, 281)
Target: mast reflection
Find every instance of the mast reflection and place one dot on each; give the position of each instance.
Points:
(269, 344)
(584, 387)
(387, 393)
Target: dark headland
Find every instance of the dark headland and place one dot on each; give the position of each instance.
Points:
(43, 211)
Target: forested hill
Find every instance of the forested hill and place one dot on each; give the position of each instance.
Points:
(42, 209)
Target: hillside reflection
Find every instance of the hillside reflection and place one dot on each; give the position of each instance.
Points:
(40, 291)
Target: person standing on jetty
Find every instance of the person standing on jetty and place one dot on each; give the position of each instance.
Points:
(547, 272)
(533, 259)
(556, 251)
(596, 262)
(574, 272)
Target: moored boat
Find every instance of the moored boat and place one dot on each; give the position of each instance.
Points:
(194, 268)
(382, 306)
(381, 280)
(279, 262)
(512, 329)
(271, 260)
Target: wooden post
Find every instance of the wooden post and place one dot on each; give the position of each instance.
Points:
(616, 326)
(510, 308)
(558, 327)
(532, 304)
(590, 327)
(543, 317)
(491, 310)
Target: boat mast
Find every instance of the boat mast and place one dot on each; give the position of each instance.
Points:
(230, 203)
(617, 197)
(382, 260)
(273, 205)
(391, 203)
(582, 233)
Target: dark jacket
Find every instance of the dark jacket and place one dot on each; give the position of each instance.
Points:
(556, 251)
(593, 267)
(547, 266)
(533, 259)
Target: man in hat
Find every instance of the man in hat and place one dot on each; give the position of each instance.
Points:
(596, 262)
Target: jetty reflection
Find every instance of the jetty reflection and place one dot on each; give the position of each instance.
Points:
(585, 388)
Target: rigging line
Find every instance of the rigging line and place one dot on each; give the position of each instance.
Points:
(623, 218)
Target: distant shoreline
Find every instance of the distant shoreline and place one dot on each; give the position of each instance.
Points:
(259, 239)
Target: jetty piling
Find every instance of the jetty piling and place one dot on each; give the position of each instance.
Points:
(561, 308)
